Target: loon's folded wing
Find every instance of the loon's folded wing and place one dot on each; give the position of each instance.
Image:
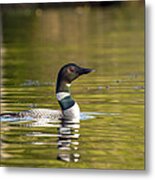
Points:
(42, 113)
(35, 113)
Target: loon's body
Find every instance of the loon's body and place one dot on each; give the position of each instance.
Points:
(69, 108)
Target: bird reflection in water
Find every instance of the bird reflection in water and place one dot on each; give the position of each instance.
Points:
(68, 135)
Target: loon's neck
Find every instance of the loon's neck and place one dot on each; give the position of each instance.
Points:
(64, 96)
(62, 86)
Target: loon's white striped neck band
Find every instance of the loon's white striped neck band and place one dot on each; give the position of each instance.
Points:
(65, 100)
(68, 85)
(62, 95)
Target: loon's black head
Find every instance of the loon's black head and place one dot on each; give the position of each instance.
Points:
(70, 72)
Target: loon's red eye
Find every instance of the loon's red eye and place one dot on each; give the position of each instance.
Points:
(72, 69)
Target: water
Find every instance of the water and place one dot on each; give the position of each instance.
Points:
(36, 43)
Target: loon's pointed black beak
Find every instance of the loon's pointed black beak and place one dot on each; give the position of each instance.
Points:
(84, 70)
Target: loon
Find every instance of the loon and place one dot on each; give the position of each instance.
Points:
(69, 108)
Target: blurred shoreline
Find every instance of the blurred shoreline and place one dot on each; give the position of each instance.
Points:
(66, 4)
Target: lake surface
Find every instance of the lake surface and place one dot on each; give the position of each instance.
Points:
(36, 43)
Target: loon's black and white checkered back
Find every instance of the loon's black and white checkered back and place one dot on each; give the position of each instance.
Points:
(35, 113)
(41, 113)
